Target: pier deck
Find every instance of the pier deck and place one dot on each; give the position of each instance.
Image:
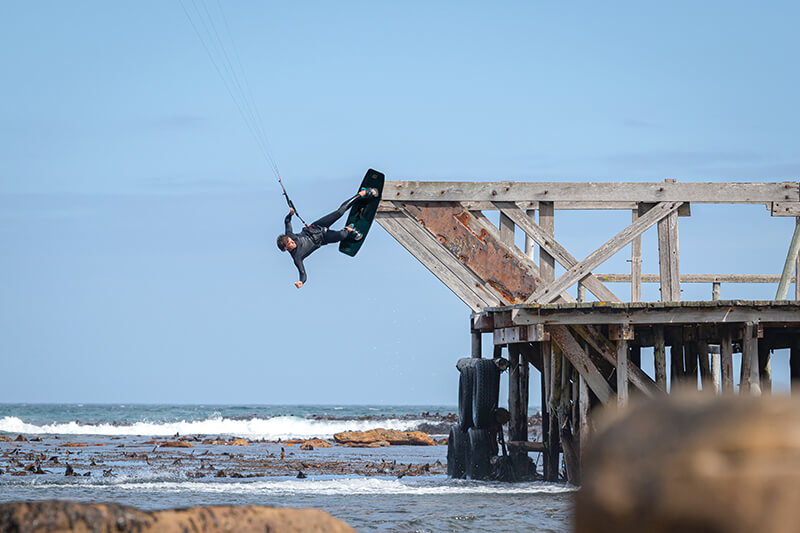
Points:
(590, 353)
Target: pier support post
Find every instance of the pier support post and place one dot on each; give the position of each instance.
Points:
(794, 365)
(622, 372)
(726, 360)
(764, 366)
(749, 381)
(552, 448)
(518, 406)
(583, 414)
(660, 357)
(476, 345)
(705, 367)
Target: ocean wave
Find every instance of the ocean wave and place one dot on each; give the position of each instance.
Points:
(438, 485)
(279, 427)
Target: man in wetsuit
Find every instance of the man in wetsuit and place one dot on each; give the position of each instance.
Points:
(318, 233)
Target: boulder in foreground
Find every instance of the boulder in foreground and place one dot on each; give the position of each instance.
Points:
(694, 464)
(62, 517)
(392, 436)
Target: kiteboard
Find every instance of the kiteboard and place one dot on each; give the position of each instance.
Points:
(363, 212)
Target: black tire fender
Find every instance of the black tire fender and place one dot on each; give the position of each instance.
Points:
(485, 393)
(457, 443)
(466, 383)
(479, 454)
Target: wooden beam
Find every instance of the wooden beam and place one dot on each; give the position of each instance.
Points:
(515, 334)
(690, 313)
(550, 249)
(581, 361)
(789, 264)
(636, 263)
(726, 360)
(622, 373)
(668, 260)
(785, 209)
(605, 348)
(660, 357)
(457, 278)
(550, 292)
(476, 244)
(695, 278)
(749, 380)
(547, 265)
(510, 191)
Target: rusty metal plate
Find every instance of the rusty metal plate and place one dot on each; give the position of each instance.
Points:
(479, 251)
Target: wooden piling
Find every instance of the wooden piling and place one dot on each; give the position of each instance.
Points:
(726, 360)
(794, 365)
(749, 381)
(622, 372)
(476, 345)
(764, 366)
(660, 357)
(705, 367)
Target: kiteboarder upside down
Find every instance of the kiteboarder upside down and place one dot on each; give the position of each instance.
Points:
(318, 233)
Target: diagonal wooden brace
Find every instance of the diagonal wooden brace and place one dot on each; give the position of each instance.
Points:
(572, 349)
(554, 248)
(607, 350)
(550, 292)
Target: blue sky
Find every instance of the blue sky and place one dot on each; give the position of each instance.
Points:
(138, 217)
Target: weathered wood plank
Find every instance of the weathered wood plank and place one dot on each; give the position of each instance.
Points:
(551, 291)
(439, 252)
(730, 312)
(622, 373)
(547, 265)
(592, 336)
(749, 380)
(660, 357)
(695, 278)
(550, 250)
(786, 209)
(465, 290)
(668, 259)
(577, 356)
(477, 244)
(515, 334)
(726, 360)
(636, 263)
(584, 430)
(511, 191)
(683, 211)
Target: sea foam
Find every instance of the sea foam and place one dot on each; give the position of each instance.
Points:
(279, 427)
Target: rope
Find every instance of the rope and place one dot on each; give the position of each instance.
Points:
(237, 86)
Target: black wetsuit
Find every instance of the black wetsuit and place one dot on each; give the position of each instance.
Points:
(316, 235)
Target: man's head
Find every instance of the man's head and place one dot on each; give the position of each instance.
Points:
(286, 243)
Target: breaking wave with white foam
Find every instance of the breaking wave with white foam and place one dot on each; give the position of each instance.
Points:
(347, 486)
(278, 427)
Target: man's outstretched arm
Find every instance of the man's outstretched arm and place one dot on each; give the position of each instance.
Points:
(301, 270)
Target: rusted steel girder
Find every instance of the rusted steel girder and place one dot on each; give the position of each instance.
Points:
(460, 232)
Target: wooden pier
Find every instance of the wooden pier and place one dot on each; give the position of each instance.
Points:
(590, 353)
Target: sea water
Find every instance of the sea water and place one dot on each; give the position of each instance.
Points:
(368, 503)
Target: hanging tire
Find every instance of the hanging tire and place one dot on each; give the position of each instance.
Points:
(485, 392)
(466, 379)
(457, 452)
(478, 454)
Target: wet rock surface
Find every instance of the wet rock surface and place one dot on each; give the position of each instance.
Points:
(393, 437)
(60, 516)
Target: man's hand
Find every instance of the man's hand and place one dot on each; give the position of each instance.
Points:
(298, 284)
